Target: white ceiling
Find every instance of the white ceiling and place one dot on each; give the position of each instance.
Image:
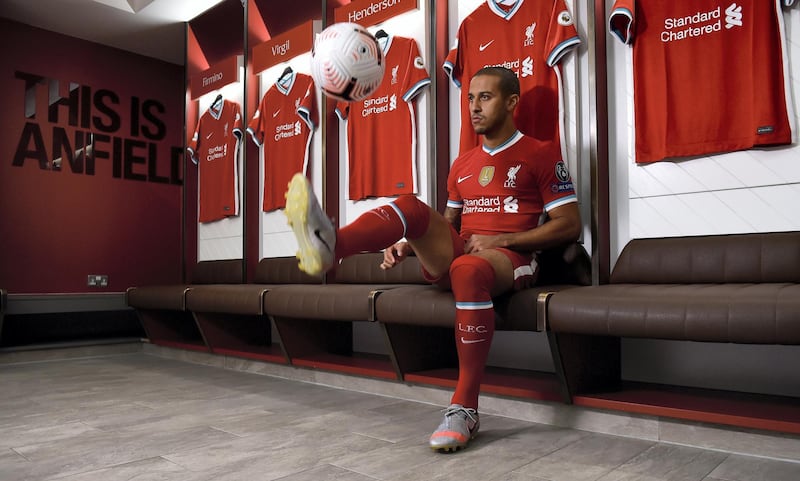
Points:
(148, 27)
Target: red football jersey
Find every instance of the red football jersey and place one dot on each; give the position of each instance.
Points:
(214, 148)
(529, 37)
(381, 130)
(508, 188)
(283, 123)
(707, 77)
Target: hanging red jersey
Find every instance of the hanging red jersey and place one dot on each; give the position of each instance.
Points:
(508, 188)
(708, 76)
(214, 148)
(381, 129)
(529, 37)
(283, 123)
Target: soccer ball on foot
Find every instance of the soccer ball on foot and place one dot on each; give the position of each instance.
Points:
(346, 62)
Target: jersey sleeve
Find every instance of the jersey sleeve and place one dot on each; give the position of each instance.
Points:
(454, 63)
(454, 199)
(256, 126)
(194, 143)
(307, 109)
(555, 182)
(416, 75)
(342, 110)
(238, 129)
(620, 22)
(562, 36)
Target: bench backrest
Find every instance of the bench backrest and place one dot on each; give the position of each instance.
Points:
(227, 271)
(565, 264)
(735, 258)
(282, 270)
(365, 269)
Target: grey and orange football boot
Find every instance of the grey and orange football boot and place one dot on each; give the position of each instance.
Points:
(460, 424)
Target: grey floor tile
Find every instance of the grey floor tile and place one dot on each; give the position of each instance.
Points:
(12, 463)
(92, 451)
(152, 469)
(746, 468)
(139, 416)
(664, 462)
(327, 472)
(588, 458)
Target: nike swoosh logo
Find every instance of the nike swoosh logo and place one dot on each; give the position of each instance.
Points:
(471, 341)
(209, 135)
(462, 179)
(484, 46)
(276, 113)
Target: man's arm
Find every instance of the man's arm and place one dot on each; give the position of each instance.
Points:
(564, 225)
(453, 216)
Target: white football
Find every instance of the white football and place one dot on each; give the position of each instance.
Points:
(347, 62)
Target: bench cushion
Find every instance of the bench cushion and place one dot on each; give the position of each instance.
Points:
(432, 306)
(351, 296)
(172, 297)
(766, 313)
(227, 298)
(248, 299)
(739, 258)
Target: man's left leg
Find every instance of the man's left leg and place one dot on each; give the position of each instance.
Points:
(474, 279)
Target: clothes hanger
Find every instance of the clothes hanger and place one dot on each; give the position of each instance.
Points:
(286, 71)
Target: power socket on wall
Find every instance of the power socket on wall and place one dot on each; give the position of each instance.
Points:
(97, 280)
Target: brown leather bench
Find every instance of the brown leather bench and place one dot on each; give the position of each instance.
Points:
(315, 322)
(419, 320)
(162, 308)
(231, 317)
(742, 288)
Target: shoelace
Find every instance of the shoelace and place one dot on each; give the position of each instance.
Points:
(467, 412)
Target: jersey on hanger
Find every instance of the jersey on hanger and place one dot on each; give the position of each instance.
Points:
(509, 188)
(529, 37)
(381, 129)
(214, 148)
(708, 75)
(283, 124)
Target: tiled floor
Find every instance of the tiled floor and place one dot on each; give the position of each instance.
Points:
(138, 416)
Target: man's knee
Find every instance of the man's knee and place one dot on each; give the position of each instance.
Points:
(414, 213)
(468, 272)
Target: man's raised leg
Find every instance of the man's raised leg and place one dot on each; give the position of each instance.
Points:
(427, 231)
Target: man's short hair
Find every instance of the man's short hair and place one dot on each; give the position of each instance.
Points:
(509, 83)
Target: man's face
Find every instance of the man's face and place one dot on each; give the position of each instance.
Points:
(488, 108)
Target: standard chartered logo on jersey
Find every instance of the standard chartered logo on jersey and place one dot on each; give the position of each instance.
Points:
(703, 23)
(523, 68)
(509, 204)
(379, 105)
(290, 129)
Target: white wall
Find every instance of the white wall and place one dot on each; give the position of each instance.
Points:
(750, 191)
(224, 238)
(277, 239)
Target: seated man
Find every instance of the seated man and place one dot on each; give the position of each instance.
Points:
(484, 244)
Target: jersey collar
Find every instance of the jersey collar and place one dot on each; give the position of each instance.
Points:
(505, 145)
(285, 83)
(497, 7)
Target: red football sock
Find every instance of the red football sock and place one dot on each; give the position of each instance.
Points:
(472, 278)
(379, 228)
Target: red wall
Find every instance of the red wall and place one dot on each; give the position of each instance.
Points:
(122, 220)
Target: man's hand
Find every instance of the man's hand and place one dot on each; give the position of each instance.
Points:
(395, 254)
(477, 242)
